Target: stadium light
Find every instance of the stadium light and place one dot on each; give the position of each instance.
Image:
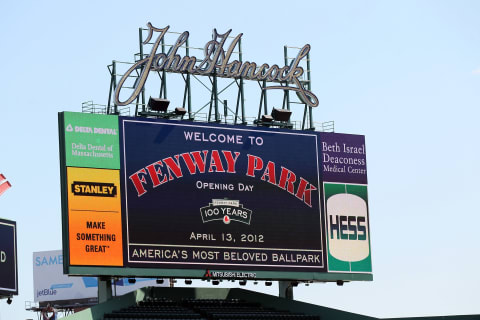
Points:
(131, 280)
(268, 283)
(242, 282)
(159, 281)
(267, 118)
(158, 104)
(215, 282)
(281, 114)
(188, 281)
(279, 118)
(158, 107)
(339, 283)
(180, 111)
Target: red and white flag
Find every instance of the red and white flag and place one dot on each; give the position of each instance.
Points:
(4, 184)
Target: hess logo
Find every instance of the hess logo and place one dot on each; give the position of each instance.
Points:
(347, 227)
(348, 238)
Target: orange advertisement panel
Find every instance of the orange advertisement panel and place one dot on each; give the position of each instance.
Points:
(94, 217)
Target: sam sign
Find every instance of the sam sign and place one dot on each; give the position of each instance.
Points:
(8, 258)
(162, 198)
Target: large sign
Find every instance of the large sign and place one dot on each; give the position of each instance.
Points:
(233, 197)
(50, 284)
(346, 203)
(92, 161)
(8, 258)
(177, 198)
(217, 61)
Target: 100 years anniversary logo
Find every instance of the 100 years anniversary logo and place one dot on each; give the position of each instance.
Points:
(227, 211)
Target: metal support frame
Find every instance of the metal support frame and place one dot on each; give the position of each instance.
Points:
(214, 115)
(113, 85)
(286, 96)
(308, 111)
(140, 39)
(285, 289)
(214, 104)
(104, 289)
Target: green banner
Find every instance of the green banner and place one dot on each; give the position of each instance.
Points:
(91, 140)
(348, 235)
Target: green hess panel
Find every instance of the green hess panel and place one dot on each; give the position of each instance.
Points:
(91, 140)
(348, 235)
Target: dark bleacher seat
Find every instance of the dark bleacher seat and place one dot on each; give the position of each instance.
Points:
(202, 309)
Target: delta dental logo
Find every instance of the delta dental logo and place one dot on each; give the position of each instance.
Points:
(94, 189)
(227, 211)
(83, 129)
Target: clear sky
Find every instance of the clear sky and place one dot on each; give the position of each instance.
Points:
(406, 74)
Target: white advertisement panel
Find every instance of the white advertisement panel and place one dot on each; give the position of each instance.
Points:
(50, 284)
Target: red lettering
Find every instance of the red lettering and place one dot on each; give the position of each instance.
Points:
(254, 163)
(270, 173)
(287, 178)
(230, 160)
(196, 162)
(215, 162)
(155, 173)
(173, 167)
(139, 182)
(304, 193)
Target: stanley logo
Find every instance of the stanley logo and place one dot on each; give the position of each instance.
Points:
(94, 189)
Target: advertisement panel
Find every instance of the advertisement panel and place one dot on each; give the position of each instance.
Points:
(95, 227)
(91, 163)
(8, 258)
(346, 203)
(234, 197)
(50, 284)
(188, 199)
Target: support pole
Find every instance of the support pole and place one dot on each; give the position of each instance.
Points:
(287, 93)
(189, 93)
(225, 110)
(285, 290)
(140, 38)
(114, 80)
(309, 86)
(244, 121)
(163, 88)
(104, 289)
(215, 96)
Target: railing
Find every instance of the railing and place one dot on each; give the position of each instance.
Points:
(90, 107)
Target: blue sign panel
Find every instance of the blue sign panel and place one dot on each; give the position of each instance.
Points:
(8, 258)
(213, 196)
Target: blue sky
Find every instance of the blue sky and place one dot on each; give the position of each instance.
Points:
(406, 74)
